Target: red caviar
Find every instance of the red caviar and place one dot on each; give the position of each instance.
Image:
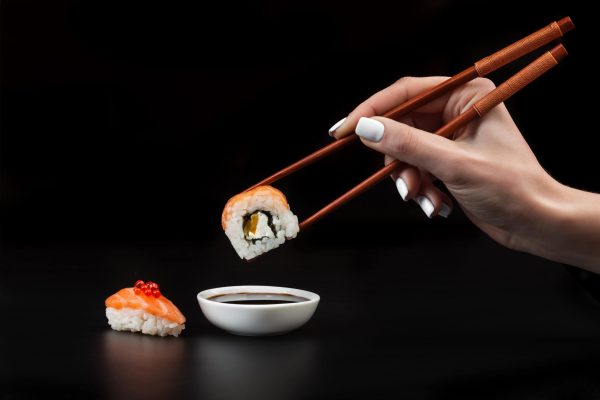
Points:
(148, 288)
(152, 285)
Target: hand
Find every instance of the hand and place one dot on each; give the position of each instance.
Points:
(488, 168)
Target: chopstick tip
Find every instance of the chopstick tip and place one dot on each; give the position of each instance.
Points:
(566, 24)
(559, 52)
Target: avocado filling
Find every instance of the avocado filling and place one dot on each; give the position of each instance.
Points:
(258, 226)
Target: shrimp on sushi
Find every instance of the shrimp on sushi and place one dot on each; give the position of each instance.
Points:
(144, 309)
(258, 220)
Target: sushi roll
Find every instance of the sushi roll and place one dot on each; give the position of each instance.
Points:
(142, 308)
(258, 220)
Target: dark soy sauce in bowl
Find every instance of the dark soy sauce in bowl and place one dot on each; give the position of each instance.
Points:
(257, 298)
(257, 310)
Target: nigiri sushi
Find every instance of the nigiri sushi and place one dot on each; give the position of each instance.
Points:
(142, 308)
(258, 220)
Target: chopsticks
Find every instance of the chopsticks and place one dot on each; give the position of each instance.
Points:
(481, 68)
(511, 86)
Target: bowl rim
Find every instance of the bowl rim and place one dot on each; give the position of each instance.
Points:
(203, 296)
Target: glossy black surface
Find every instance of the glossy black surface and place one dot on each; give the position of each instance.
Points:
(461, 318)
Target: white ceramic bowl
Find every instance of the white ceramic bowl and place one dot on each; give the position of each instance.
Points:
(257, 320)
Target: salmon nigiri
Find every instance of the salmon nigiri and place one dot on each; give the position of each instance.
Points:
(143, 308)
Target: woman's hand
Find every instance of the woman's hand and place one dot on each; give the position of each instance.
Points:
(488, 168)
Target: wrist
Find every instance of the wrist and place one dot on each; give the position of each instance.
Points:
(567, 227)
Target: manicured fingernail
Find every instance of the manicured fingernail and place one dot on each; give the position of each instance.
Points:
(402, 188)
(336, 126)
(426, 205)
(369, 129)
(445, 210)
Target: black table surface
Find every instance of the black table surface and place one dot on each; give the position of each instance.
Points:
(436, 312)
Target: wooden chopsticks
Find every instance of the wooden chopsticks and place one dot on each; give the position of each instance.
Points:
(511, 86)
(481, 68)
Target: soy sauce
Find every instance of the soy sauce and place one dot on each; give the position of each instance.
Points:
(258, 302)
(257, 298)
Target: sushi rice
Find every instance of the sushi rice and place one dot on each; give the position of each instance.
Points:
(138, 320)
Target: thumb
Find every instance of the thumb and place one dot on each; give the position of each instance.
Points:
(430, 152)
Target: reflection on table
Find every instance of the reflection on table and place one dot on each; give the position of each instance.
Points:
(231, 367)
(142, 366)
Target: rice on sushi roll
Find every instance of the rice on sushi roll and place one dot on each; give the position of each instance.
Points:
(258, 220)
(144, 309)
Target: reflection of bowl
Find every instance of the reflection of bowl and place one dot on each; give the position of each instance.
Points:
(230, 367)
(257, 319)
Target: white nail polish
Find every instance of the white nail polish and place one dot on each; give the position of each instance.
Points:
(402, 188)
(369, 129)
(445, 210)
(336, 126)
(426, 205)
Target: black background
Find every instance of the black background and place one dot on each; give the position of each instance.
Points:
(125, 127)
(148, 117)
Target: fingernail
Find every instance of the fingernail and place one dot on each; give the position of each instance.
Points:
(445, 210)
(336, 126)
(369, 129)
(402, 188)
(426, 205)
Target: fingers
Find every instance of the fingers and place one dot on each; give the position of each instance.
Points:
(429, 152)
(389, 98)
(415, 184)
(407, 179)
(432, 200)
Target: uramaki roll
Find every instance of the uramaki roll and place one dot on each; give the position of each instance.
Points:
(258, 220)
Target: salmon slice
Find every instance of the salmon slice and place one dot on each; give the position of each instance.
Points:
(161, 307)
(266, 191)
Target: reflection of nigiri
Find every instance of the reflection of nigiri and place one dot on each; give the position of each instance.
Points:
(258, 220)
(142, 308)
